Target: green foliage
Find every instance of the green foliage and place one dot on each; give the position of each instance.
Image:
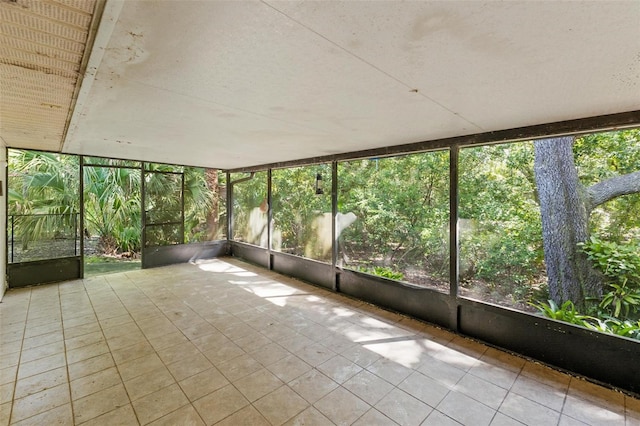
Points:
(567, 312)
(383, 271)
(620, 298)
(44, 188)
(402, 210)
(618, 262)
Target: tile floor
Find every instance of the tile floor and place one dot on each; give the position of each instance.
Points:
(225, 343)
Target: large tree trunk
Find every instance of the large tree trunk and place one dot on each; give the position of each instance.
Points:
(565, 218)
(213, 225)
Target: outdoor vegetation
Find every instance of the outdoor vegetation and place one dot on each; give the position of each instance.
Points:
(551, 226)
(44, 207)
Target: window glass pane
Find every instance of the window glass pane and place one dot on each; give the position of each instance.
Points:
(501, 255)
(394, 216)
(205, 204)
(43, 207)
(552, 227)
(302, 211)
(250, 209)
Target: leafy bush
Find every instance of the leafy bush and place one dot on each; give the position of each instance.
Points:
(384, 272)
(567, 312)
(620, 264)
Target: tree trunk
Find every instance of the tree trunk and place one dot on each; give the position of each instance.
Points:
(213, 225)
(564, 213)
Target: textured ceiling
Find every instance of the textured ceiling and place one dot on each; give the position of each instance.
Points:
(41, 50)
(239, 83)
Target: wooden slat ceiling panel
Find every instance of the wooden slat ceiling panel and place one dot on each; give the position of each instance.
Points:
(42, 43)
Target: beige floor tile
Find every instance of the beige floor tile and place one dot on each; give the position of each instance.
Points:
(474, 413)
(48, 327)
(148, 383)
(220, 404)
(90, 366)
(139, 366)
(94, 382)
(132, 352)
(606, 398)
(315, 354)
(5, 413)
(42, 351)
(225, 352)
(88, 318)
(239, 367)
(61, 415)
(339, 369)
(591, 413)
(311, 417)
(166, 340)
(125, 340)
(190, 366)
(632, 410)
(248, 416)
(390, 371)
(157, 404)
(536, 391)
(44, 339)
(203, 383)
(369, 387)
(178, 352)
(342, 407)
(523, 409)
(424, 388)
(258, 384)
(118, 330)
(501, 420)
(281, 405)
(546, 375)
(567, 421)
(11, 359)
(84, 340)
(41, 365)
(6, 392)
(40, 402)
(403, 408)
(116, 321)
(374, 417)
(122, 416)
(269, 354)
(313, 385)
(40, 382)
(481, 390)
(289, 368)
(99, 403)
(8, 374)
(71, 333)
(442, 372)
(14, 347)
(491, 373)
(210, 341)
(185, 416)
(86, 352)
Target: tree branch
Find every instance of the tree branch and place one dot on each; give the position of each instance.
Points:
(611, 188)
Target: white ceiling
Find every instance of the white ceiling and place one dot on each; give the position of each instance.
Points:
(241, 83)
